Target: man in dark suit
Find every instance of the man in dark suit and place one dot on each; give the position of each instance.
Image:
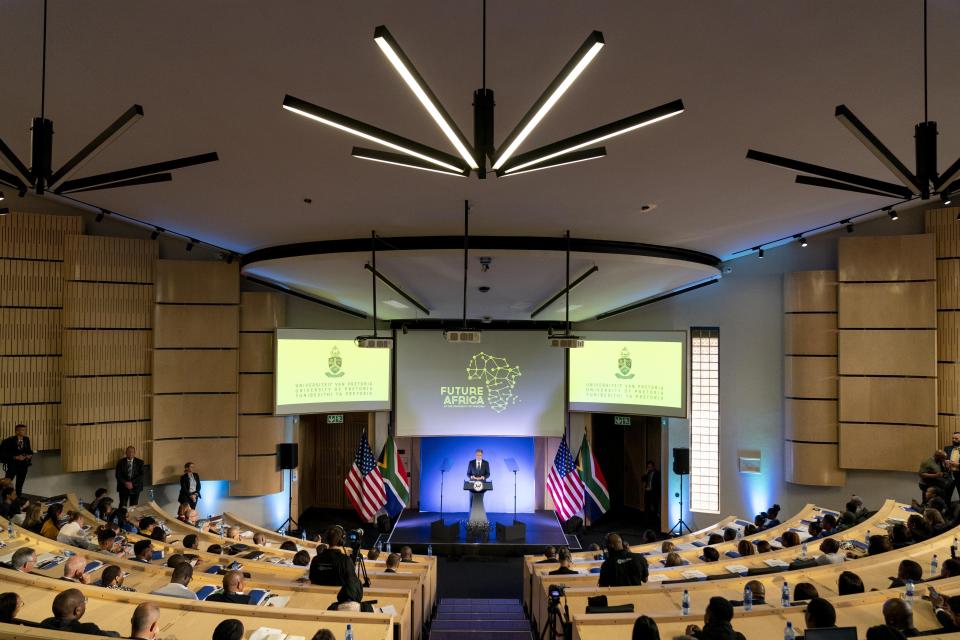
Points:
(478, 468)
(953, 463)
(129, 475)
(189, 486)
(232, 589)
(651, 493)
(16, 456)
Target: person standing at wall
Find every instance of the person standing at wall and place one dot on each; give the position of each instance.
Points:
(189, 486)
(17, 456)
(129, 475)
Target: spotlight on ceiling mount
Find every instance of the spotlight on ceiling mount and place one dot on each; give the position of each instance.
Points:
(4, 211)
(759, 251)
(801, 240)
(156, 232)
(945, 198)
(190, 244)
(892, 213)
(2, 197)
(848, 225)
(100, 215)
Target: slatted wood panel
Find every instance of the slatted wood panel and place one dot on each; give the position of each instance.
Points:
(195, 362)
(29, 379)
(260, 432)
(108, 316)
(31, 283)
(942, 223)
(35, 236)
(326, 454)
(888, 351)
(810, 377)
(29, 332)
(43, 421)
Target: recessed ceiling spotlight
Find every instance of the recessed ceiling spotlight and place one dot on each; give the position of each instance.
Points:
(483, 289)
(647, 207)
(307, 200)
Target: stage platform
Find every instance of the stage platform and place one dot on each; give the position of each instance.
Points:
(543, 529)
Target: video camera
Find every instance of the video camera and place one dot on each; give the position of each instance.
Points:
(353, 540)
(555, 592)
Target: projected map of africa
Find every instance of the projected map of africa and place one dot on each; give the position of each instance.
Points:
(498, 377)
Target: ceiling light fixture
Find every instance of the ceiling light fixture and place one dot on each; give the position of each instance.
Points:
(4, 211)
(892, 213)
(40, 176)
(921, 183)
(802, 241)
(190, 244)
(100, 215)
(760, 252)
(156, 232)
(373, 341)
(567, 340)
(848, 225)
(475, 157)
(2, 197)
(946, 199)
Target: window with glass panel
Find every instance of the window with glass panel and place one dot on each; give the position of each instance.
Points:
(704, 419)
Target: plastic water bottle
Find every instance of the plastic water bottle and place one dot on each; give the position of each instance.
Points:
(349, 634)
(934, 565)
(954, 547)
(739, 534)
(429, 549)
(10, 533)
(747, 599)
(150, 495)
(910, 590)
(388, 546)
(866, 538)
(685, 603)
(785, 595)
(303, 533)
(803, 551)
(379, 546)
(789, 633)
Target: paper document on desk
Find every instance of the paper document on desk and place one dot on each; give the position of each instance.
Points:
(736, 568)
(693, 574)
(775, 562)
(389, 609)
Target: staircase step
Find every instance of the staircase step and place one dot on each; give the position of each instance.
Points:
(517, 615)
(487, 625)
(477, 600)
(481, 635)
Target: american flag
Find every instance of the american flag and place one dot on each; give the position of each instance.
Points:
(564, 484)
(364, 484)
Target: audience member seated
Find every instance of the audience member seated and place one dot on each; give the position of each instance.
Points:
(919, 531)
(288, 545)
(102, 509)
(673, 559)
(230, 629)
(233, 534)
(112, 578)
(10, 605)
(716, 622)
(565, 562)
(746, 548)
(8, 495)
(406, 554)
(773, 517)
(595, 547)
(804, 591)
(667, 547)
(750, 530)
(373, 554)
(729, 534)
(820, 614)
(119, 518)
(393, 561)
(174, 559)
(51, 522)
(182, 575)
(848, 583)
(883, 632)
(259, 539)
(855, 506)
(645, 628)
(332, 566)
(73, 569)
(898, 614)
(909, 570)
(830, 552)
(191, 541)
(790, 539)
(713, 538)
(935, 521)
(950, 568)
(759, 520)
(142, 551)
(107, 541)
(763, 546)
(350, 598)
(302, 558)
(68, 607)
(828, 525)
(947, 610)
(24, 559)
(325, 634)
(33, 519)
(878, 544)
(72, 533)
(649, 537)
(621, 567)
(900, 536)
(710, 554)
(145, 622)
(97, 496)
(158, 535)
(233, 585)
(758, 591)
(215, 549)
(814, 530)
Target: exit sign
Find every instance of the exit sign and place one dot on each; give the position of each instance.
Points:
(622, 421)
(334, 418)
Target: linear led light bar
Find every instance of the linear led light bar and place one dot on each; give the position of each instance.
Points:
(877, 148)
(387, 157)
(369, 132)
(554, 91)
(129, 118)
(567, 158)
(390, 48)
(594, 136)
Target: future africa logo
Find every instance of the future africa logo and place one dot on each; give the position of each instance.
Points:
(624, 364)
(335, 364)
(498, 378)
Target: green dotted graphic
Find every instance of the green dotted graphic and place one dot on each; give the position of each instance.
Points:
(498, 377)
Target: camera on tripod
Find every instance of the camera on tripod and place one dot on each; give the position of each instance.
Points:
(557, 625)
(555, 592)
(354, 539)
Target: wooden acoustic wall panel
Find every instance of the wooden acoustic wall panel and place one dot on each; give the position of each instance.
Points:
(948, 336)
(42, 420)
(29, 379)
(30, 332)
(256, 352)
(34, 236)
(99, 446)
(256, 393)
(257, 476)
(196, 282)
(885, 447)
(31, 283)
(107, 305)
(890, 400)
(943, 224)
(216, 458)
(887, 258)
(813, 464)
(106, 352)
(184, 326)
(888, 305)
(948, 388)
(106, 259)
(195, 371)
(905, 352)
(810, 291)
(810, 377)
(948, 290)
(197, 414)
(90, 400)
(260, 311)
(259, 435)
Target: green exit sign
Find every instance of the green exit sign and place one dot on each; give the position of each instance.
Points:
(334, 418)
(622, 421)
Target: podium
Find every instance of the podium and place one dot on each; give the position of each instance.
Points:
(478, 513)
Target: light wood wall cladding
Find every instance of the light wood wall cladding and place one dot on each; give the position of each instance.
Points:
(107, 305)
(810, 291)
(194, 282)
(89, 400)
(43, 421)
(216, 458)
(29, 379)
(886, 447)
(813, 463)
(810, 378)
(888, 351)
(28, 332)
(942, 223)
(99, 446)
(257, 476)
(33, 236)
(104, 352)
(105, 259)
(260, 432)
(31, 283)
(195, 363)
(196, 325)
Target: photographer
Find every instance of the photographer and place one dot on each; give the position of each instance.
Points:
(333, 566)
(622, 568)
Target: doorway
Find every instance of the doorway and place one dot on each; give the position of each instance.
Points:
(622, 445)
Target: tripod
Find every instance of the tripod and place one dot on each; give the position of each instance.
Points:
(556, 625)
(681, 525)
(361, 568)
(289, 521)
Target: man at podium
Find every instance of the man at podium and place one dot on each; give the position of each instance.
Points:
(478, 468)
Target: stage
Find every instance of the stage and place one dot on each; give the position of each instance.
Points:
(543, 529)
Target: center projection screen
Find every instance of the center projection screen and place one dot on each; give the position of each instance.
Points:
(511, 384)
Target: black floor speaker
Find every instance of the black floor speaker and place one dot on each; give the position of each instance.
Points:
(383, 523)
(516, 532)
(442, 532)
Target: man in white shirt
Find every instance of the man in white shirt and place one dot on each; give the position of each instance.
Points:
(831, 552)
(73, 534)
(182, 575)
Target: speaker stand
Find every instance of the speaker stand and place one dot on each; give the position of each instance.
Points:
(681, 525)
(289, 521)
